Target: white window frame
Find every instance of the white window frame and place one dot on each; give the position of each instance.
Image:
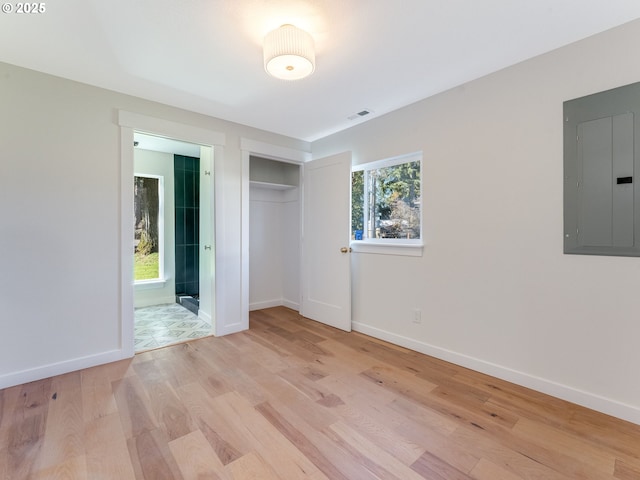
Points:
(388, 246)
(161, 280)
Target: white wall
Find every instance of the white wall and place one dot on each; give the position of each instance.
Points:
(60, 220)
(291, 231)
(274, 248)
(159, 163)
(496, 292)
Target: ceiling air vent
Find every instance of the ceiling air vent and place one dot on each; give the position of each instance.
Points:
(361, 113)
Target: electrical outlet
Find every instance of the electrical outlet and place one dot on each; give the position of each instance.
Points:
(417, 316)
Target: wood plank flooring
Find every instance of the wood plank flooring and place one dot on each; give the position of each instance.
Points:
(293, 399)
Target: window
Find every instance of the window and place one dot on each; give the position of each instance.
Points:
(148, 202)
(386, 203)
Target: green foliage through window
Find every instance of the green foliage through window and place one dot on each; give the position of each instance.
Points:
(386, 201)
(357, 201)
(147, 201)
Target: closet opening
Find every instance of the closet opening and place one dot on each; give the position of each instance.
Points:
(274, 233)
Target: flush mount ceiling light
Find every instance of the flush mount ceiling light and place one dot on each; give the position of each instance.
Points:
(289, 53)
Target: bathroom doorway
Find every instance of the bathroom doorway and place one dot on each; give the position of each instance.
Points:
(173, 242)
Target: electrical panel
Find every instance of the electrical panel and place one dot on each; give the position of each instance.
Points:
(601, 210)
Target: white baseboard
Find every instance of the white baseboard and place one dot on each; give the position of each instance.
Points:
(205, 317)
(265, 304)
(150, 302)
(46, 371)
(579, 397)
(279, 302)
(291, 304)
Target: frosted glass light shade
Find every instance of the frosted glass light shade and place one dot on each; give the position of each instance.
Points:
(289, 53)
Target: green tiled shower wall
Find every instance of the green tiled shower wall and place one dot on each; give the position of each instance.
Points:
(187, 208)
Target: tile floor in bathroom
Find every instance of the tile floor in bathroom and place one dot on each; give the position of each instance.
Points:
(161, 325)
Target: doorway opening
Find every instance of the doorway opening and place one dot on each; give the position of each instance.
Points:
(275, 239)
(173, 241)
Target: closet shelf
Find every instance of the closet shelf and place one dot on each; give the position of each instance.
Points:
(271, 186)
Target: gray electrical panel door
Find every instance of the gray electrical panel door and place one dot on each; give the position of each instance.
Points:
(600, 211)
(605, 150)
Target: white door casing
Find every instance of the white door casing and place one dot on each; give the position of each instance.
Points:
(326, 259)
(207, 248)
(222, 308)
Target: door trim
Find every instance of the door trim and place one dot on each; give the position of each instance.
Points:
(266, 150)
(130, 122)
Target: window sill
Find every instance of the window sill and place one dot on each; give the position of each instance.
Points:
(149, 284)
(405, 249)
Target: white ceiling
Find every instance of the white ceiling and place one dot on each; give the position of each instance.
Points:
(206, 55)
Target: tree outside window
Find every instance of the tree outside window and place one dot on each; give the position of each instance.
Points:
(147, 233)
(386, 199)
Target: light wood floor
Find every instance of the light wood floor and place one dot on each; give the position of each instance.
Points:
(292, 399)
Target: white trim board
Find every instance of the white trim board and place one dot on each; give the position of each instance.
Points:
(250, 147)
(168, 128)
(205, 317)
(564, 392)
(275, 152)
(278, 302)
(265, 304)
(128, 122)
(155, 301)
(60, 368)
